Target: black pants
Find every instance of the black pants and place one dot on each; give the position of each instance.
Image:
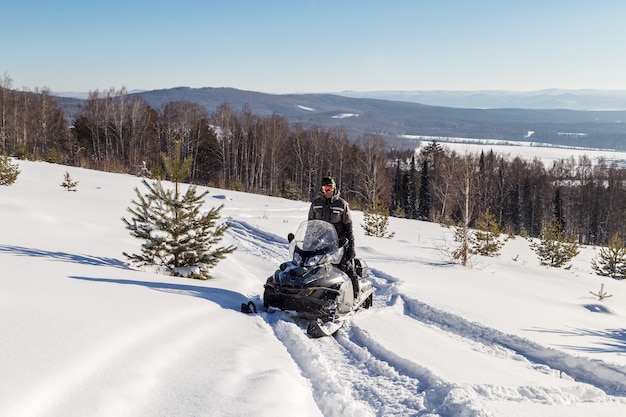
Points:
(347, 266)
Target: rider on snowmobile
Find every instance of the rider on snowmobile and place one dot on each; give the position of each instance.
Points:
(332, 208)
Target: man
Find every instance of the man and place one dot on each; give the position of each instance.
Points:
(332, 208)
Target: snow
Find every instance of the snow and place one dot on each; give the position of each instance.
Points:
(83, 334)
(547, 153)
(345, 115)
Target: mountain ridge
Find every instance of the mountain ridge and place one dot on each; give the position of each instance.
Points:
(394, 119)
(546, 99)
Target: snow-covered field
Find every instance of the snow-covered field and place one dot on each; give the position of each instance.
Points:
(524, 149)
(82, 334)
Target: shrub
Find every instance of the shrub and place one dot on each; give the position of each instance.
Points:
(555, 248)
(8, 170)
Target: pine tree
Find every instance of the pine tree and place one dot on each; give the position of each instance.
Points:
(177, 235)
(411, 206)
(68, 183)
(397, 193)
(611, 262)
(425, 200)
(376, 220)
(8, 171)
(486, 239)
(512, 210)
(555, 248)
(558, 208)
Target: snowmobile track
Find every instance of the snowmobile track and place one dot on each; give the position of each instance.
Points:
(602, 375)
(352, 374)
(344, 374)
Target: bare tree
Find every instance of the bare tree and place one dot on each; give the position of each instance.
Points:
(299, 148)
(5, 91)
(468, 176)
(372, 181)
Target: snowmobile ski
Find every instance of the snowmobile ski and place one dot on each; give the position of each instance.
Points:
(317, 328)
(248, 308)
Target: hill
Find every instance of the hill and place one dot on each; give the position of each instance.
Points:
(586, 100)
(84, 334)
(394, 118)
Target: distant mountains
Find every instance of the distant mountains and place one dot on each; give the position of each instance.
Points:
(543, 99)
(479, 115)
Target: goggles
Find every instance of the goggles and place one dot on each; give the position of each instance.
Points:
(327, 187)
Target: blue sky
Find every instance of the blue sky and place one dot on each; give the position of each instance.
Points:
(313, 45)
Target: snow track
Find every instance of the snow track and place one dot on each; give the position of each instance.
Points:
(600, 374)
(259, 242)
(367, 369)
(346, 378)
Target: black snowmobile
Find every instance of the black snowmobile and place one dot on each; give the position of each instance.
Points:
(312, 284)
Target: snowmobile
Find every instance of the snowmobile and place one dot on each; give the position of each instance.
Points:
(313, 285)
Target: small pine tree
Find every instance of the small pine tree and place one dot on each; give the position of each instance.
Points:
(291, 191)
(601, 294)
(376, 220)
(555, 248)
(486, 239)
(177, 235)
(68, 183)
(611, 262)
(462, 235)
(8, 170)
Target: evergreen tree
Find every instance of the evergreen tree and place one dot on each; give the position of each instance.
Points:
(512, 210)
(376, 220)
(177, 235)
(68, 183)
(396, 194)
(423, 210)
(411, 207)
(558, 208)
(555, 248)
(611, 262)
(486, 239)
(8, 170)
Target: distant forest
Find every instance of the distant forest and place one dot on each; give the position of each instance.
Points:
(239, 150)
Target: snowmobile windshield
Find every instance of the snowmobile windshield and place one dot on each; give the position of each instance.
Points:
(314, 237)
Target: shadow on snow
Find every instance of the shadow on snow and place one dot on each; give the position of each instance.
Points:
(611, 340)
(226, 299)
(64, 256)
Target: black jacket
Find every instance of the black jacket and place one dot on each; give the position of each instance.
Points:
(335, 210)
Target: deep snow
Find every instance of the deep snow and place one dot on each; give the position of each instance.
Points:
(83, 334)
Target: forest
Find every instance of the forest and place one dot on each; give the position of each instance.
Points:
(236, 149)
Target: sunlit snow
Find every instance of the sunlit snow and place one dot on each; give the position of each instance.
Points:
(83, 334)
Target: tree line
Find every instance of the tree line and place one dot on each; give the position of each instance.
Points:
(236, 149)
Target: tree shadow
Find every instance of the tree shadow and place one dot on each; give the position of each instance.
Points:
(64, 256)
(597, 308)
(226, 299)
(611, 340)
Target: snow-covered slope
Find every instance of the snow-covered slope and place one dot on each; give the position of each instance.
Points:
(85, 335)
